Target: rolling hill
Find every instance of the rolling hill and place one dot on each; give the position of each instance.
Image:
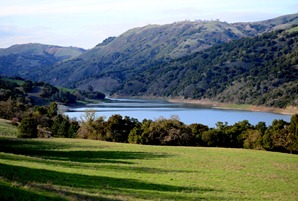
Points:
(240, 62)
(31, 61)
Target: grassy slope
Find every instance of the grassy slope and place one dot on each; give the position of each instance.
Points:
(6, 129)
(73, 169)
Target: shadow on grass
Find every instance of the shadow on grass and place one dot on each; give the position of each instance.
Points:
(59, 183)
(13, 193)
(98, 184)
(42, 151)
(31, 144)
(47, 150)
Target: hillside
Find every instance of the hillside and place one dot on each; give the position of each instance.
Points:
(200, 59)
(118, 58)
(261, 70)
(18, 95)
(31, 61)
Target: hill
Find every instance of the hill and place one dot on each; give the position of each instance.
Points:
(73, 169)
(198, 60)
(118, 59)
(110, 62)
(32, 61)
(18, 95)
(261, 70)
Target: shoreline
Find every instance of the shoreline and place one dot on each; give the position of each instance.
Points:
(233, 106)
(203, 102)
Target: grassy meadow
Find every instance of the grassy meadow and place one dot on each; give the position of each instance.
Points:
(75, 169)
(7, 129)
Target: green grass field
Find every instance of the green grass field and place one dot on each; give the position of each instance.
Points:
(74, 169)
(7, 129)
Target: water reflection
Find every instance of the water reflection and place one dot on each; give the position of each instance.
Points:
(187, 113)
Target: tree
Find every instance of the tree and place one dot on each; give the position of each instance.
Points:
(212, 138)
(234, 134)
(48, 90)
(180, 136)
(252, 139)
(197, 131)
(63, 128)
(140, 133)
(276, 136)
(52, 109)
(118, 128)
(27, 128)
(89, 116)
(28, 86)
(261, 126)
(293, 134)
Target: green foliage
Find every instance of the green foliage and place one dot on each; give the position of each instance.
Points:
(280, 136)
(259, 70)
(27, 128)
(253, 139)
(44, 121)
(16, 101)
(92, 127)
(293, 134)
(11, 108)
(197, 131)
(52, 109)
(91, 94)
(115, 129)
(48, 90)
(64, 127)
(276, 136)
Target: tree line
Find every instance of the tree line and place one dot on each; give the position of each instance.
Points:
(44, 121)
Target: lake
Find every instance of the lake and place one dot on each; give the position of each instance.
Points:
(187, 113)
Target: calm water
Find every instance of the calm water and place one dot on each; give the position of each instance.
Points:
(187, 113)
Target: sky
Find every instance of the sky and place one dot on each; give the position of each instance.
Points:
(85, 23)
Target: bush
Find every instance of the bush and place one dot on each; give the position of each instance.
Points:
(27, 128)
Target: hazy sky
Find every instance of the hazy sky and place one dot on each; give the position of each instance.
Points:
(85, 23)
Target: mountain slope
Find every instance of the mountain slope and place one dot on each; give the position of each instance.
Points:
(261, 70)
(121, 58)
(31, 61)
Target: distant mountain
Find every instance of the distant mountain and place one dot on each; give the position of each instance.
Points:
(239, 62)
(31, 61)
(117, 59)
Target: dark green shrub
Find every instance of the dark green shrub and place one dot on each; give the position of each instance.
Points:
(27, 128)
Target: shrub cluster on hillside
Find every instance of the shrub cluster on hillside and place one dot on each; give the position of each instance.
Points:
(18, 95)
(44, 121)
